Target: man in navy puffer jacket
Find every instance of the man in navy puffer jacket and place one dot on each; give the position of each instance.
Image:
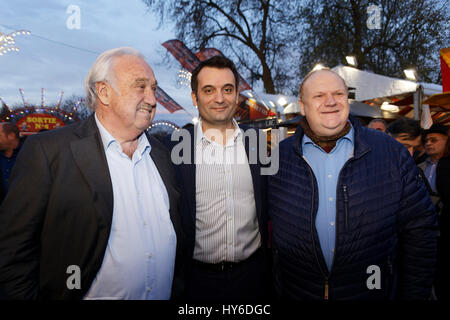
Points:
(351, 217)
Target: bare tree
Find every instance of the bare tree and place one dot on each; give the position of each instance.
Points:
(409, 33)
(259, 35)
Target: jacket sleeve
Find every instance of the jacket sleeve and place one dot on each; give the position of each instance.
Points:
(21, 218)
(418, 232)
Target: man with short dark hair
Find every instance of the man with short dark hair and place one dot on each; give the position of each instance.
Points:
(9, 148)
(407, 132)
(223, 199)
(351, 217)
(92, 210)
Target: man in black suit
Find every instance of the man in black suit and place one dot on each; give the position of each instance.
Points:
(92, 209)
(223, 201)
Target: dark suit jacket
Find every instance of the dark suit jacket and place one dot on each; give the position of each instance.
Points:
(185, 173)
(58, 212)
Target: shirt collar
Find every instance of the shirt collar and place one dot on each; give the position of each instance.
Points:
(201, 136)
(429, 161)
(350, 136)
(108, 139)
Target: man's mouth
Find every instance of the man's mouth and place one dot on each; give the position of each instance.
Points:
(329, 112)
(149, 110)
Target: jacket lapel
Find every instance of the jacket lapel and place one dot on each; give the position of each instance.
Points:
(90, 158)
(187, 171)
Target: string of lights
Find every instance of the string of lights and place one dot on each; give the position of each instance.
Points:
(8, 42)
(54, 41)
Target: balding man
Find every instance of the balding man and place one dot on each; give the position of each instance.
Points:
(378, 124)
(92, 209)
(351, 217)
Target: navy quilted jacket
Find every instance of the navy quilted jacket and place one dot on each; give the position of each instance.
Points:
(384, 219)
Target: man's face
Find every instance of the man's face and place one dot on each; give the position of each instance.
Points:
(216, 96)
(435, 144)
(324, 103)
(410, 143)
(378, 126)
(132, 100)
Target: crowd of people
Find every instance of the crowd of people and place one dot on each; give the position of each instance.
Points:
(102, 210)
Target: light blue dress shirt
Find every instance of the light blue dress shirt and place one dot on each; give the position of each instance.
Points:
(140, 255)
(326, 168)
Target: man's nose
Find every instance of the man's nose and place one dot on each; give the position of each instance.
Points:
(219, 96)
(150, 97)
(330, 100)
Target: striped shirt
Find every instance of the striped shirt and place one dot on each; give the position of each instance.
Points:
(226, 223)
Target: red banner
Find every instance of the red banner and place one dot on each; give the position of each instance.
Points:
(185, 56)
(166, 101)
(189, 60)
(445, 69)
(36, 122)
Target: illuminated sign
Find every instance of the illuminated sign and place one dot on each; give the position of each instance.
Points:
(36, 122)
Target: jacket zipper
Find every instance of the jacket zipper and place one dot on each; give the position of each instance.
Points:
(326, 287)
(344, 189)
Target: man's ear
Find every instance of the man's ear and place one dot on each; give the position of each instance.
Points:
(302, 107)
(194, 98)
(103, 92)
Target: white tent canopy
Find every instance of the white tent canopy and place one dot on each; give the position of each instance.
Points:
(370, 85)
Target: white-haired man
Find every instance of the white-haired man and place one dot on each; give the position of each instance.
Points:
(92, 209)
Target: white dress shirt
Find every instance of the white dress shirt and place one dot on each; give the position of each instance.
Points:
(140, 255)
(226, 227)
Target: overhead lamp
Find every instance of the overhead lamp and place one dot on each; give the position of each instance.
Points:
(410, 74)
(195, 120)
(389, 107)
(351, 60)
(318, 66)
(282, 101)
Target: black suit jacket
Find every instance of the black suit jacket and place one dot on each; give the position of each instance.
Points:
(185, 173)
(58, 212)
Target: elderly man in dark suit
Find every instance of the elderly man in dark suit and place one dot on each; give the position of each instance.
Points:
(92, 208)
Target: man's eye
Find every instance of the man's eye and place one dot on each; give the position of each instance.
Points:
(154, 89)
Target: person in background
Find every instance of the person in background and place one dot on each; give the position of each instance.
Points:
(10, 144)
(407, 132)
(351, 217)
(435, 140)
(378, 124)
(443, 188)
